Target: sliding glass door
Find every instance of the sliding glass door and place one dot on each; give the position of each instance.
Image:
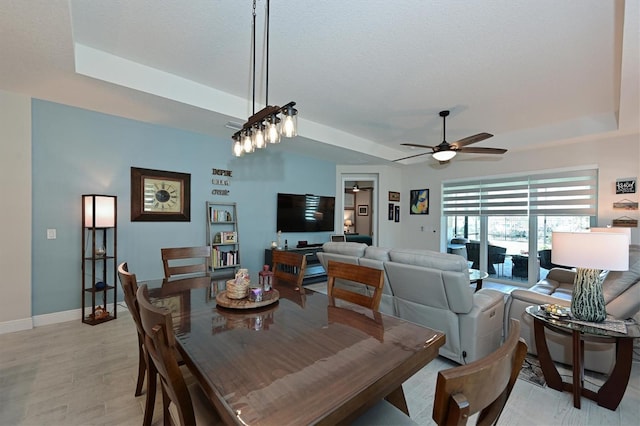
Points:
(506, 223)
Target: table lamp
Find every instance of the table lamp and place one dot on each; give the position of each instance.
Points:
(347, 224)
(590, 253)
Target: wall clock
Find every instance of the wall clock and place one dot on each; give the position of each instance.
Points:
(160, 196)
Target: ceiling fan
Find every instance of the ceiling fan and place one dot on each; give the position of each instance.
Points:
(445, 151)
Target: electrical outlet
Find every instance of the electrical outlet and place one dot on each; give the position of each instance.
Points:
(51, 234)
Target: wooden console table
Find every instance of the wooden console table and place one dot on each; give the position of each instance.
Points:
(611, 392)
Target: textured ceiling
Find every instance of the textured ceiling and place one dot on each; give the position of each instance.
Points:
(366, 75)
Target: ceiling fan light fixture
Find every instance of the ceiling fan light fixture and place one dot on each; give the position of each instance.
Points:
(444, 155)
(355, 188)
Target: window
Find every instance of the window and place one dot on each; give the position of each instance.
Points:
(515, 215)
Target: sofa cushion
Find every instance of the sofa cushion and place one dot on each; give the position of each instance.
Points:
(617, 282)
(430, 259)
(376, 253)
(345, 248)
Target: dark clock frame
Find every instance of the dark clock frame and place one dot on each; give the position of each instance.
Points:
(137, 196)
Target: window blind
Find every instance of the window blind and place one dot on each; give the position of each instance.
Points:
(552, 194)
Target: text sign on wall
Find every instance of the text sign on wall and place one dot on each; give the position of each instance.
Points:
(626, 186)
(221, 177)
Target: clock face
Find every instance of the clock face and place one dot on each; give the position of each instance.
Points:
(162, 195)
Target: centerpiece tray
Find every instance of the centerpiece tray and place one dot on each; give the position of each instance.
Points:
(268, 298)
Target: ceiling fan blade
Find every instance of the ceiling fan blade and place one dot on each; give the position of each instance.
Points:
(471, 139)
(480, 150)
(411, 156)
(415, 145)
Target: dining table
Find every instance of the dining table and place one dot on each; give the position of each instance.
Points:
(304, 358)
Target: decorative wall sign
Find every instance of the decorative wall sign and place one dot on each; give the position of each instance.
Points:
(394, 196)
(626, 205)
(221, 178)
(625, 222)
(391, 211)
(626, 186)
(419, 201)
(160, 196)
(397, 214)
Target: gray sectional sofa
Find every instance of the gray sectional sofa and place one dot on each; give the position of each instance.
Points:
(431, 289)
(622, 299)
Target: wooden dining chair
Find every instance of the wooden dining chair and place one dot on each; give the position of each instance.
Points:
(288, 267)
(185, 260)
(129, 285)
(482, 386)
(160, 348)
(364, 275)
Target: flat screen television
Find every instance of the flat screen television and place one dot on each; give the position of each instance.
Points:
(305, 213)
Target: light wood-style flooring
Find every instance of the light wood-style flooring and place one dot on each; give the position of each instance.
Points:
(75, 374)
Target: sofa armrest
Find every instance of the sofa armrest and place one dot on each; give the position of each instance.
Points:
(519, 300)
(481, 328)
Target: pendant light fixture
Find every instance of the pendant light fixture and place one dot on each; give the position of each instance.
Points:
(265, 126)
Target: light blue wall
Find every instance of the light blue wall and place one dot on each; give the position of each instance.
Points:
(79, 152)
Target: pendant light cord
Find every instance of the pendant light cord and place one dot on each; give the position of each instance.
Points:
(266, 98)
(253, 47)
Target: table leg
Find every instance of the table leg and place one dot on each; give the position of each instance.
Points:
(478, 284)
(577, 349)
(549, 370)
(397, 399)
(611, 393)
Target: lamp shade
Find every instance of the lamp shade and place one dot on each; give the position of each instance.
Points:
(105, 211)
(445, 155)
(594, 250)
(348, 222)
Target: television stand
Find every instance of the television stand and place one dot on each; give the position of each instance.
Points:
(314, 271)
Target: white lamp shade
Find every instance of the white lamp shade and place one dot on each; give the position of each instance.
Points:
(594, 250)
(624, 231)
(104, 214)
(348, 222)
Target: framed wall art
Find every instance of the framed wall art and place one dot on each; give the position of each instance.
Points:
(391, 211)
(160, 196)
(363, 210)
(394, 196)
(419, 201)
(397, 214)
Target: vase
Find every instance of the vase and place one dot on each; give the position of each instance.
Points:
(587, 300)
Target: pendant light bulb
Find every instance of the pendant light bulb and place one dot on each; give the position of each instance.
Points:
(290, 122)
(273, 132)
(247, 143)
(258, 137)
(237, 148)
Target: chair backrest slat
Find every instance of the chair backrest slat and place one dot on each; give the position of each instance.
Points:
(481, 386)
(185, 260)
(369, 277)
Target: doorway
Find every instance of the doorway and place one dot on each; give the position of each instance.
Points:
(360, 197)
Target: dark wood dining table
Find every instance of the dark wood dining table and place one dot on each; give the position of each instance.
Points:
(305, 359)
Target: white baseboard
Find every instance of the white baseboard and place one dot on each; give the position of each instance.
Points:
(47, 319)
(16, 325)
(57, 317)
